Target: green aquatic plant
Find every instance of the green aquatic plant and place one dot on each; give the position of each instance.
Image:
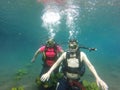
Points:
(55, 77)
(53, 80)
(20, 73)
(37, 80)
(45, 84)
(18, 88)
(90, 85)
(18, 77)
(59, 75)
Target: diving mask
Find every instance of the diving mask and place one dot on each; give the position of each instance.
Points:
(73, 46)
(50, 43)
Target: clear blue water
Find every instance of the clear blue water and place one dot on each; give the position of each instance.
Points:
(21, 34)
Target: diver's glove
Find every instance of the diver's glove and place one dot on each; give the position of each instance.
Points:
(45, 77)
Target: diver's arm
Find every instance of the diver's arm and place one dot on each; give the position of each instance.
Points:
(99, 81)
(90, 66)
(62, 51)
(35, 55)
(46, 76)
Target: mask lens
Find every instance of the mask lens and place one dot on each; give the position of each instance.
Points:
(73, 46)
(50, 43)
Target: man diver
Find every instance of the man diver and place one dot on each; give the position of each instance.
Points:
(71, 72)
(50, 53)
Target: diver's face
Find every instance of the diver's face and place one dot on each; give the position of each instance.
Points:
(73, 46)
(50, 43)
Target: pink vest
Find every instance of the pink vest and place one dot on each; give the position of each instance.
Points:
(50, 54)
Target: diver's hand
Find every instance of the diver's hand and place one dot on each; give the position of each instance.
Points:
(102, 84)
(45, 77)
(33, 60)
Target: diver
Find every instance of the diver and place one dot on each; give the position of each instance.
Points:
(50, 53)
(72, 61)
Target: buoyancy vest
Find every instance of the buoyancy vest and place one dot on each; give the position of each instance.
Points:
(79, 70)
(50, 55)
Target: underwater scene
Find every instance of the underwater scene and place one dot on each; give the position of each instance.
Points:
(25, 25)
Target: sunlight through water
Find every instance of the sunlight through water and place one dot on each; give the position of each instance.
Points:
(51, 18)
(53, 13)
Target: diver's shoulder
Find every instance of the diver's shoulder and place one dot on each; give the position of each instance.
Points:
(82, 53)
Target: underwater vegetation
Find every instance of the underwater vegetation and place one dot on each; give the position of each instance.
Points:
(20, 73)
(55, 77)
(90, 85)
(18, 88)
(53, 80)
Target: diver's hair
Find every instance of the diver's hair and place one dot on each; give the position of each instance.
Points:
(72, 40)
(50, 39)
